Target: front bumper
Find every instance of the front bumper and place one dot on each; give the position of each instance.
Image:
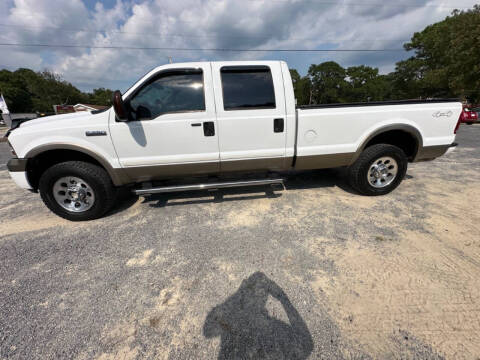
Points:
(20, 178)
(17, 168)
(17, 165)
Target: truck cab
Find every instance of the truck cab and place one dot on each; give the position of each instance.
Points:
(231, 116)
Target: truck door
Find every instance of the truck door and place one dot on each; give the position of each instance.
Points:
(250, 103)
(173, 127)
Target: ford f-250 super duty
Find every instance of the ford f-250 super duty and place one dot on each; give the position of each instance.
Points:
(207, 120)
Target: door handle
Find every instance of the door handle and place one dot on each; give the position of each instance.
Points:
(278, 125)
(208, 128)
(196, 124)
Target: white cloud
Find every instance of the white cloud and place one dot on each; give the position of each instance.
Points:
(257, 24)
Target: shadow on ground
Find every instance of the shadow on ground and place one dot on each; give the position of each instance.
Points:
(313, 179)
(294, 181)
(247, 330)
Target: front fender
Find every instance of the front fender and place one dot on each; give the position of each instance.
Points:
(110, 164)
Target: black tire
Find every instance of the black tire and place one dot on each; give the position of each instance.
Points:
(95, 176)
(358, 171)
(470, 123)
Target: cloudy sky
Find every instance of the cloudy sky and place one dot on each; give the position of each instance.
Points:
(204, 24)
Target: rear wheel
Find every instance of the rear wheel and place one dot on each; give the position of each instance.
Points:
(77, 190)
(378, 170)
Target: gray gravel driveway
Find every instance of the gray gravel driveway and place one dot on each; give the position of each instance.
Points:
(312, 272)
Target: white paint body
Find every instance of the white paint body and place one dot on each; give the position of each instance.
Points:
(343, 130)
(170, 139)
(20, 178)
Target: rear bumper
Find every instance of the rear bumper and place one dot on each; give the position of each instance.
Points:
(431, 152)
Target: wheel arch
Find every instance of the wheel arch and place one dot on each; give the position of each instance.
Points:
(42, 157)
(406, 137)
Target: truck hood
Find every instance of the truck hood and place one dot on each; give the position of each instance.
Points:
(51, 120)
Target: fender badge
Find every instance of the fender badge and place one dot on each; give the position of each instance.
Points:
(96, 133)
(442, 113)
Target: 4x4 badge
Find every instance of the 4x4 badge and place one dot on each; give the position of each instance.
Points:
(442, 113)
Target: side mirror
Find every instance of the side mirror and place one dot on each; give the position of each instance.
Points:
(119, 106)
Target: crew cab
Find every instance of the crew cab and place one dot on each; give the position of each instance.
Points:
(213, 123)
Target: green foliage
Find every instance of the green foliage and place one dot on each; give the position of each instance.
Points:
(446, 64)
(447, 57)
(302, 87)
(100, 96)
(365, 84)
(27, 91)
(328, 82)
(14, 91)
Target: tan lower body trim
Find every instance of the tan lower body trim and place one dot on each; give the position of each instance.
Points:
(158, 172)
(431, 152)
(323, 161)
(266, 164)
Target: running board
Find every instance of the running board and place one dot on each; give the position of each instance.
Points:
(207, 186)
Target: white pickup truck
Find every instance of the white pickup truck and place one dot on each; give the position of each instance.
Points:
(208, 120)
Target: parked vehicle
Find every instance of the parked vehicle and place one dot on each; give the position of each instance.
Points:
(477, 111)
(468, 116)
(207, 120)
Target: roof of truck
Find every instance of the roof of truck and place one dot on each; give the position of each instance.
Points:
(197, 64)
(230, 62)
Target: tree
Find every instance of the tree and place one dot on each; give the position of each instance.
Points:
(14, 91)
(100, 96)
(366, 84)
(302, 88)
(446, 60)
(28, 91)
(328, 82)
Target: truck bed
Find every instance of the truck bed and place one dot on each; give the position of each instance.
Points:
(334, 134)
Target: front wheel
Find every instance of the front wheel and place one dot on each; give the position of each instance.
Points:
(77, 190)
(378, 170)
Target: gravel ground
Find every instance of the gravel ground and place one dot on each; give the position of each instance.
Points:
(312, 272)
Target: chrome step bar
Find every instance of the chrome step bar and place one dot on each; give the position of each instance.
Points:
(208, 186)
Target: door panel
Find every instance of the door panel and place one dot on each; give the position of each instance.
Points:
(246, 115)
(171, 141)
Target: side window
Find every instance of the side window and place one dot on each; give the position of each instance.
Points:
(247, 87)
(169, 92)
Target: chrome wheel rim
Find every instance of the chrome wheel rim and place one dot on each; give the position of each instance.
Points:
(73, 194)
(382, 172)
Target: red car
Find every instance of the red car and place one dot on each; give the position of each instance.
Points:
(467, 116)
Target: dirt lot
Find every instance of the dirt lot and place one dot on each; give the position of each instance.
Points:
(316, 271)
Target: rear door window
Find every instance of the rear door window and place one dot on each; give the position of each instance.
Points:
(247, 88)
